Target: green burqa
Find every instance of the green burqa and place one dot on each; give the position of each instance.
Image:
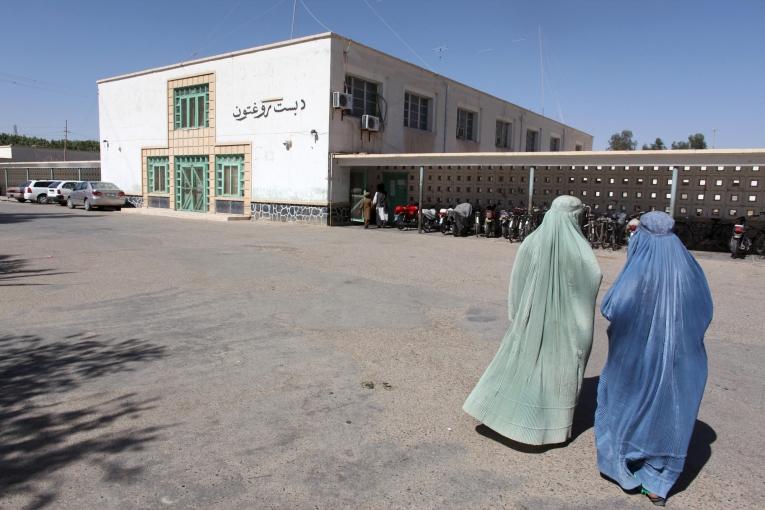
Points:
(532, 385)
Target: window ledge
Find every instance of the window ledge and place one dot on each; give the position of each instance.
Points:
(229, 197)
(159, 193)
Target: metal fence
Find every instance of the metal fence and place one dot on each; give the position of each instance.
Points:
(13, 174)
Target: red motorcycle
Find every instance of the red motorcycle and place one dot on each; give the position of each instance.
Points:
(405, 216)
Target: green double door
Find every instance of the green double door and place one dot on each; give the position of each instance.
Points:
(191, 183)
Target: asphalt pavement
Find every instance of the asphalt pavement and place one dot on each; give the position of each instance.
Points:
(152, 362)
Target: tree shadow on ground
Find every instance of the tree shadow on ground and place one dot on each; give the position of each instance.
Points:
(584, 419)
(41, 432)
(14, 269)
(8, 218)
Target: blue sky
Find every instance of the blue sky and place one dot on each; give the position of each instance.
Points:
(660, 68)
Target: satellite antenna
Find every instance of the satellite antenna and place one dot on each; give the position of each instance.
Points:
(441, 50)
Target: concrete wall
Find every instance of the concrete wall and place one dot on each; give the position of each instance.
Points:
(133, 114)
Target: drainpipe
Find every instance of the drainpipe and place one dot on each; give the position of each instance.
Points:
(673, 192)
(419, 215)
(531, 187)
(329, 188)
(446, 111)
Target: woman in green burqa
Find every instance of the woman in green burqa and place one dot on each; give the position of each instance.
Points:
(532, 385)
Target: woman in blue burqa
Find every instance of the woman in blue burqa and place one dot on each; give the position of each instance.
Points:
(651, 386)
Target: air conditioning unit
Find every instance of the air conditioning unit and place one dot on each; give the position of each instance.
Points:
(370, 123)
(342, 100)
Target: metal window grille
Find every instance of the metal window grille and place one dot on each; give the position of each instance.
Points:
(365, 100)
(229, 175)
(416, 109)
(157, 168)
(192, 106)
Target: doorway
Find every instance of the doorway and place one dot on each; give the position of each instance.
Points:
(358, 186)
(191, 183)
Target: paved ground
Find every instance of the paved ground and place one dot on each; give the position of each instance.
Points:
(163, 363)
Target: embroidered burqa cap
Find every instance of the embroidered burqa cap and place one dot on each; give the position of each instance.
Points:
(529, 391)
(651, 386)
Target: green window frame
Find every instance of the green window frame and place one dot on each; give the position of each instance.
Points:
(192, 107)
(157, 170)
(229, 175)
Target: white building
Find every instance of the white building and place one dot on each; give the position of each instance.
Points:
(254, 130)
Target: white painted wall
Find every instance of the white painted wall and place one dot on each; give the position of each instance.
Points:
(133, 114)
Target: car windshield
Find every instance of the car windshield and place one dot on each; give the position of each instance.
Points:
(53, 184)
(102, 185)
(24, 184)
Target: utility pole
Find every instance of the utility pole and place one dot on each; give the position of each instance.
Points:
(66, 136)
(15, 130)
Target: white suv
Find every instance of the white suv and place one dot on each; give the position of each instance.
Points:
(37, 191)
(59, 191)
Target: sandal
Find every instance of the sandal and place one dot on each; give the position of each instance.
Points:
(656, 500)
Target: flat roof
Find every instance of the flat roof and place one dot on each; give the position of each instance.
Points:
(315, 37)
(709, 157)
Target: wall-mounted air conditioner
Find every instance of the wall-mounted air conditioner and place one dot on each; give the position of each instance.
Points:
(370, 123)
(342, 100)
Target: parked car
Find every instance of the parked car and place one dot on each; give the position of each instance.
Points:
(90, 194)
(59, 191)
(37, 191)
(17, 192)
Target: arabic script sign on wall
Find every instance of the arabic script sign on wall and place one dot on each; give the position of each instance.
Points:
(268, 106)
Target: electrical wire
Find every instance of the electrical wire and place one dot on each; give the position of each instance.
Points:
(317, 20)
(393, 31)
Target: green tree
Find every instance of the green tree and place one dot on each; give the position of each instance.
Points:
(33, 141)
(657, 145)
(622, 141)
(694, 142)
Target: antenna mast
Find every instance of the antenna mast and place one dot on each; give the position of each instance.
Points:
(541, 71)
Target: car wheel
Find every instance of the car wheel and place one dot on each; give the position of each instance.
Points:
(42, 199)
(118, 209)
(63, 202)
(87, 205)
(69, 203)
(21, 200)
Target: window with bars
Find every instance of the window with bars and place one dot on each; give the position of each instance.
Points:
(192, 105)
(416, 111)
(157, 168)
(466, 125)
(365, 100)
(229, 175)
(503, 134)
(532, 140)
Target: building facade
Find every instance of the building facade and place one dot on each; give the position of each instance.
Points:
(254, 130)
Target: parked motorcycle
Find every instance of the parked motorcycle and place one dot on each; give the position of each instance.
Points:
(504, 223)
(490, 223)
(632, 227)
(461, 215)
(739, 241)
(405, 216)
(430, 220)
(445, 220)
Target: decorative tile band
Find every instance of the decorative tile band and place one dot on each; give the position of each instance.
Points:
(134, 201)
(316, 215)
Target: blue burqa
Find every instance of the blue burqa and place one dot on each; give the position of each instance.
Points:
(651, 386)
